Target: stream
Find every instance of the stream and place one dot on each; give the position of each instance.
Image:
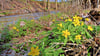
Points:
(6, 20)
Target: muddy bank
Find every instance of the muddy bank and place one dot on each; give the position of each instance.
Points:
(15, 7)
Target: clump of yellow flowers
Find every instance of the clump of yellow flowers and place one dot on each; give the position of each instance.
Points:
(76, 21)
(16, 29)
(78, 37)
(32, 20)
(86, 19)
(60, 25)
(68, 20)
(77, 18)
(34, 51)
(90, 28)
(61, 17)
(65, 33)
(53, 20)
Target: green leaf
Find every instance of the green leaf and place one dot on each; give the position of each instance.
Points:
(65, 41)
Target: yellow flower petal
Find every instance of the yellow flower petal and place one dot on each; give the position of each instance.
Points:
(66, 20)
(86, 19)
(30, 53)
(34, 51)
(90, 28)
(32, 20)
(53, 20)
(68, 33)
(32, 48)
(60, 24)
(65, 36)
(69, 19)
(17, 30)
(78, 37)
(65, 33)
(14, 28)
(61, 17)
(37, 47)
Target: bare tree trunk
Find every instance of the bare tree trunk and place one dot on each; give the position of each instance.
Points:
(81, 2)
(2, 5)
(88, 4)
(78, 2)
(62, 5)
(98, 4)
(85, 2)
(44, 2)
(56, 4)
(48, 4)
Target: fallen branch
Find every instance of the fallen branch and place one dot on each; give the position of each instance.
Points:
(68, 44)
(97, 52)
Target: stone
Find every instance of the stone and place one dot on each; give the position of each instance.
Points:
(22, 23)
(13, 53)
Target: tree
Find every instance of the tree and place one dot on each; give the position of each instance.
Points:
(48, 4)
(62, 4)
(2, 5)
(98, 3)
(89, 4)
(44, 1)
(56, 4)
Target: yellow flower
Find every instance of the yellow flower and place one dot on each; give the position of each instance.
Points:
(65, 33)
(66, 20)
(61, 17)
(82, 23)
(32, 20)
(17, 30)
(76, 20)
(69, 19)
(78, 37)
(53, 20)
(75, 17)
(76, 23)
(90, 28)
(14, 28)
(86, 19)
(80, 18)
(60, 24)
(34, 51)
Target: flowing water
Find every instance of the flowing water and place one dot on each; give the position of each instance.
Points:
(6, 20)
